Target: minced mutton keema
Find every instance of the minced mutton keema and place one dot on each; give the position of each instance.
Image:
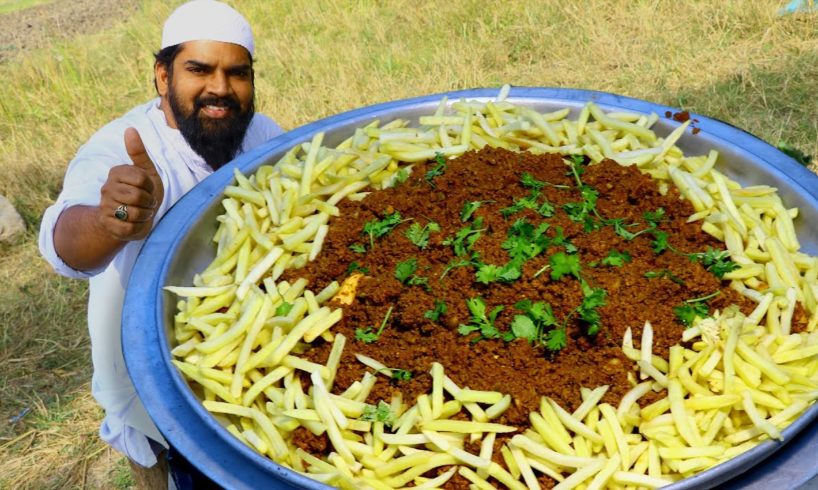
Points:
(437, 192)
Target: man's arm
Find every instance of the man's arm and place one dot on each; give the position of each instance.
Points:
(88, 237)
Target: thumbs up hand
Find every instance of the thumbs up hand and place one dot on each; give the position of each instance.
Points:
(131, 195)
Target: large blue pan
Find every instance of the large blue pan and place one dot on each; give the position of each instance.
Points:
(180, 246)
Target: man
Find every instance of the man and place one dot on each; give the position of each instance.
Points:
(127, 176)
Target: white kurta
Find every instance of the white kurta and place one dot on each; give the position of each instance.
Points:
(126, 423)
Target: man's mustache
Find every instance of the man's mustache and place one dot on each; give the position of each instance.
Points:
(229, 102)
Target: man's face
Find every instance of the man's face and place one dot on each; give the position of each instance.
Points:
(208, 96)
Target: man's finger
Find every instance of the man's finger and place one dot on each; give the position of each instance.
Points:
(136, 150)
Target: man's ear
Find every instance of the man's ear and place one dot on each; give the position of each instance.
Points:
(161, 75)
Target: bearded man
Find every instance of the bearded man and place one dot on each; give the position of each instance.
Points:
(127, 176)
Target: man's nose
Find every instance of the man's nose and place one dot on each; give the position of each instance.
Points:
(217, 84)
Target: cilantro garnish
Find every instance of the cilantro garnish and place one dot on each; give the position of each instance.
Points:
(378, 228)
(440, 309)
(716, 261)
(437, 170)
(355, 266)
(691, 309)
(538, 316)
(358, 248)
(366, 335)
(475, 257)
(401, 176)
(615, 258)
(380, 413)
(283, 309)
(563, 264)
(464, 239)
(469, 208)
(546, 209)
(419, 235)
(480, 321)
(664, 273)
(401, 374)
(405, 269)
(487, 273)
(588, 310)
(687, 313)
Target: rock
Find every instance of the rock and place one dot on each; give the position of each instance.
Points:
(11, 224)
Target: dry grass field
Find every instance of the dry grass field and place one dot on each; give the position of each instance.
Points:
(733, 60)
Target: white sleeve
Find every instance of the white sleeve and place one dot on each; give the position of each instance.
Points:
(83, 181)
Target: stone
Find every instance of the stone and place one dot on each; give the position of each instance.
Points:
(11, 224)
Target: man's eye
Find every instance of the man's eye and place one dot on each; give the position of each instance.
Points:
(195, 69)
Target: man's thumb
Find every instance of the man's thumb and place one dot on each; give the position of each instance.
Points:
(136, 150)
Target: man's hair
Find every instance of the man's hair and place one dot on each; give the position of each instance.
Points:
(165, 57)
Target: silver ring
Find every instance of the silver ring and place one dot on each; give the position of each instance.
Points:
(121, 213)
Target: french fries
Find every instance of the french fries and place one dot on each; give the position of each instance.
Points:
(742, 381)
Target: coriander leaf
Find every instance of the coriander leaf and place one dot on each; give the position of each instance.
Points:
(616, 258)
(555, 339)
(465, 238)
(469, 208)
(479, 320)
(687, 313)
(380, 413)
(659, 243)
(419, 235)
(458, 263)
(405, 269)
(524, 328)
(563, 264)
(621, 229)
(716, 261)
(440, 309)
(437, 170)
(401, 374)
(354, 266)
(283, 309)
(654, 217)
(358, 248)
(366, 335)
(664, 273)
(529, 181)
(487, 273)
(401, 176)
(379, 228)
(540, 311)
(588, 309)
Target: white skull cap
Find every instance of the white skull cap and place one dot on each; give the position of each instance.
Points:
(207, 20)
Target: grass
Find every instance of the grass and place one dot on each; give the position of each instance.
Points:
(733, 60)
(9, 6)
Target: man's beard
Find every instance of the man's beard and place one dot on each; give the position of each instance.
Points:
(215, 140)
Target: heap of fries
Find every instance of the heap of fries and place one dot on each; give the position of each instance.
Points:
(743, 379)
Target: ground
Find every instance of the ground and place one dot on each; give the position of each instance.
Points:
(36, 26)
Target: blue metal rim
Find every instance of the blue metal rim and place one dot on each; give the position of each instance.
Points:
(180, 416)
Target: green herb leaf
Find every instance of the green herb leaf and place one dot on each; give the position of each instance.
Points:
(435, 314)
(380, 413)
(524, 328)
(479, 320)
(589, 309)
(556, 339)
(686, 313)
(659, 243)
(405, 269)
(437, 170)
(401, 374)
(379, 228)
(354, 266)
(664, 273)
(283, 309)
(419, 235)
(716, 261)
(465, 238)
(529, 181)
(616, 258)
(366, 335)
(563, 264)
(401, 176)
(358, 248)
(469, 208)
